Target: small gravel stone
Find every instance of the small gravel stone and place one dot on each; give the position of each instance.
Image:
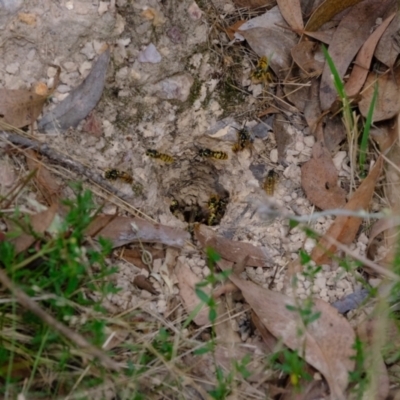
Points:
(12, 68)
(274, 155)
(309, 141)
(299, 146)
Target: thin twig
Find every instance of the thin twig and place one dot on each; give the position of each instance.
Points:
(25, 301)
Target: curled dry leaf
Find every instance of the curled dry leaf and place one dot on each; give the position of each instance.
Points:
(350, 35)
(20, 107)
(319, 180)
(327, 341)
(123, 230)
(143, 283)
(387, 102)
(389, 45)
(363, 60)
(291, 12)
(267, 37)
(345, 228)
(187, 281)
(304, 55)
(81, 100)
(234, 251)
(326, 11)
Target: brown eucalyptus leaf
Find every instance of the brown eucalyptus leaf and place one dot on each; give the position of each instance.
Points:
(388, 100)
(291, 12)
(326, 11)
(234, 251)
(319, 179)
(124, 230)
(143, 283)
(389, 45)
(187, 281)
(352, 32)
(363, 60)
(21, 107)
(327, 341)
(304, 56)
(345, 228)
(267, 36)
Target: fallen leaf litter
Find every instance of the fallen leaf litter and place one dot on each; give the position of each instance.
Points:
(150, 120)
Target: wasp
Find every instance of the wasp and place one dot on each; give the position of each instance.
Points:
(161, 156)
(261, 73)
(244, 140)
(174, 207)
(270, 181)
(217, 155)
(112, 174)
(217, 208)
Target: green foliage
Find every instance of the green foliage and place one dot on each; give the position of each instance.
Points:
(61, 270)
(359, 376)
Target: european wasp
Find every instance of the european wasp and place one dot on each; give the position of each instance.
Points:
(261, 73)
(112, 174)
(216, 208)
(174, 207)
(161, 156)
(270, 181)
(244, 140)
(217, 155)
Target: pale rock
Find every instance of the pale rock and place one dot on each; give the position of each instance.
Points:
(51, 72)
(321, 282)
(149, 55)
(103, 7)
(63, 89)
(108, 128)
(197, 270)
(375, 282)
(363, 238)
(12, 68)
(85, 68)
(309, 141)
(122, 74)
(161, 306)
(88, 51)
(338, 159)
(194, 12)
(70, 66)
(69, 5)
(144, 294)
(176, 87)
(273, 156)
(299, 146)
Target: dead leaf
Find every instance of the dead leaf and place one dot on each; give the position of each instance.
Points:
(232, 250)
(326, 11)
(81, 100)
(231, 30)
(267, 37)
(307, 55)
(319, 179)
(350, 35)
(389, 45)
(322, 36)
(387, 102)
(344, 228)
(291, 12)
(187, 281)
(363, 60)
(44, 179)
(253, 3)
(333, 132)
(327, 341)
(40, 223)
(143, 283)
(122, 230)
(134, 256)
(21, 107)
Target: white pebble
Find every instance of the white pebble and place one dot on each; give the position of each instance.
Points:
(149, 55)
(309, 141)
(338, 159)
(309, 245)
(299, 146)
(321, 282)
(273, 155)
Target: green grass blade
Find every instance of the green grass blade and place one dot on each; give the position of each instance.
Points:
(336, 77)
(367, 128)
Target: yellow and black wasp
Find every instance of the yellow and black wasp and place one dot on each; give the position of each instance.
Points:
(244, 140)
(270, 182)
(216, 207)
(174, 207)
(113, 174)
(160, 156)
(261, 73)
(217, 155)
